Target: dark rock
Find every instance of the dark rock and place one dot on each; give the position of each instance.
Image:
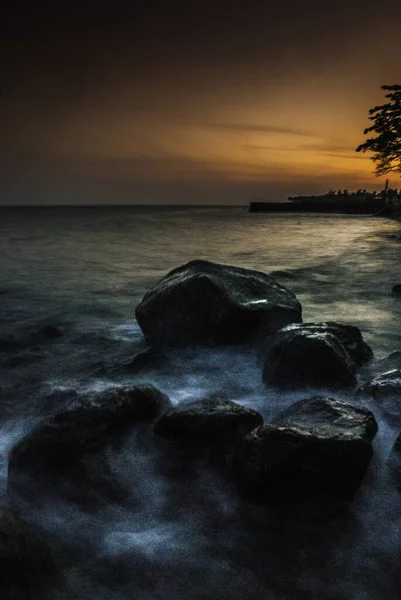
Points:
(318, 449)
(386, 391)
(396, 289)
(315, 355)
(204, 303)
(209, 428)
(90, 423)
(207, 420)
(25, 557)
(308, 361)
(321, 415)
(61, 451)
(350, 337)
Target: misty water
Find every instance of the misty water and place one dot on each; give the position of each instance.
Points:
(84, 270)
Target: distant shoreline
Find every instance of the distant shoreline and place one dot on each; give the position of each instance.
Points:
(349, 208)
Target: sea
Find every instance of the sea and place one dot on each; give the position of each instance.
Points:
(70, 280)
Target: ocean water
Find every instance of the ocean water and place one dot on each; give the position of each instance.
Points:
(84, 270)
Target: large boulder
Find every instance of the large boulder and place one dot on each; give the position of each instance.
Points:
(319, 448)
(210, 427)
(207, 304)
(63, 452)
(385, 390)
(315, 355)
(25, 557)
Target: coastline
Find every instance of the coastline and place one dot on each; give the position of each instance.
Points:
(352, 208)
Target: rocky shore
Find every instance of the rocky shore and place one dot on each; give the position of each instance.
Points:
(311, 459)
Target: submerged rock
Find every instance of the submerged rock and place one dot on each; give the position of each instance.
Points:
(315, 355)
(320, 448)
(63, 450)
(204, 303)
(396, 289)
(25, 557)
(385, 389)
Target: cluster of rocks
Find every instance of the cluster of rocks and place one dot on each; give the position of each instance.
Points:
(316, 451)
(207, 304)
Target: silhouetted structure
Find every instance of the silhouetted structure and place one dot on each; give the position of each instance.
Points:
(361, 202)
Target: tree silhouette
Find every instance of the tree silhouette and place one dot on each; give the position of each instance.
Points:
(387, 124)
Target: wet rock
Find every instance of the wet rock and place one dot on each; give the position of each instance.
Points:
(204, 303)
(25, 557)
(308, 361)
(207, 420)
(61, 452)
(349, 336)
(318, 449)
(315, 355)
(385, 389)
(326, 415)
(209, 427)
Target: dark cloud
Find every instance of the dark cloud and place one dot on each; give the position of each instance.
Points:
(263, 129)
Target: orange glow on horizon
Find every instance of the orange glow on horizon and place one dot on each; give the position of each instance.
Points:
(236, 133)
(313, 138)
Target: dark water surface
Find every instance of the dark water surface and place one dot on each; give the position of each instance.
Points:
(84, 270)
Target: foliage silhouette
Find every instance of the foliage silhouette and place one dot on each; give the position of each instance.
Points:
(387, 124)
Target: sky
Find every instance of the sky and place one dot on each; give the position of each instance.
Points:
(191, 102)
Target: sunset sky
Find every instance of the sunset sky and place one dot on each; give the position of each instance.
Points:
(191, 102)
